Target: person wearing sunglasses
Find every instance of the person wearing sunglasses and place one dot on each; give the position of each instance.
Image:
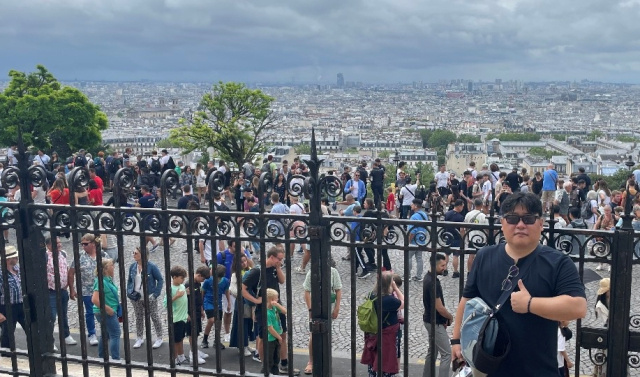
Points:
(87, 264)
(545, 288)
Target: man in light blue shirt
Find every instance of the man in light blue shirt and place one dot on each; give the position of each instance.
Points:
(356, 188)
(277, 208)
(351, 203)
(417, 237)
(549, 186)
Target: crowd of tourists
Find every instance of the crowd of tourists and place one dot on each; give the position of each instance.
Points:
(525, 205)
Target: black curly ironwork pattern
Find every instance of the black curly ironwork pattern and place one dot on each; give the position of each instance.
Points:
(634, 360)
(10, 177)
(296, 185)
(330, 186)
(598, 357)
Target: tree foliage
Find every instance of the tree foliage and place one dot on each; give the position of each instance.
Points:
(468, 138)
(233, 120)
(627, 139)
(541, 152)
(559, 137)
(515, 136)
(593, 135)
(303, 149)
(49, 115)
(615, 181)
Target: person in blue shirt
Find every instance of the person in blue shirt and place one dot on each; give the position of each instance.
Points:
(356, 187)
(549, 186)
(147, 200)
(417, 237)
(351, 203)
(225, 258)
(213, 302)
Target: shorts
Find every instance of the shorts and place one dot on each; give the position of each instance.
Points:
(187, 329)
(258, 324)
(179, 331)
(228, 307)
(548, 195)
(213, 313)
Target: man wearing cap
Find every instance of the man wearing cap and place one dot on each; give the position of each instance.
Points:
(63, 268)
(15, 295)
(545, 288)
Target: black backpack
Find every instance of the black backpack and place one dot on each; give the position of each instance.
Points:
(421, 193)
(80, 161)
(170, 164)
(266, 167)
(114, 166)
(221, 207)
(155, 165)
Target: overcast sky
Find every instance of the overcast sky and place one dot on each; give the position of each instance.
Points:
(381, 41)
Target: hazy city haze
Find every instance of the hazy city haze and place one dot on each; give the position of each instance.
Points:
(367, 40)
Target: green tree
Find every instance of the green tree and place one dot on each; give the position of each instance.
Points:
(559, 137)
(467, 138)
(233, 119)
(384, 154)
(515, 136)
(541, 152)
(627, 139)
(593, 135)
(167, 143)
(615, 181)
(303, 149)
(204, 159)
(49, 115)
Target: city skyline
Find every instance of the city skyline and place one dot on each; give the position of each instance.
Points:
(379, 41)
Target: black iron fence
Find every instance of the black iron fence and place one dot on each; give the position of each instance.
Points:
(613, 348)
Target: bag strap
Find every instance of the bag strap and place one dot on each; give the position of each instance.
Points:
(524, 269)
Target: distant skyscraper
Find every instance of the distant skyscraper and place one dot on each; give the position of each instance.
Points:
(470, 86)
(340, 80)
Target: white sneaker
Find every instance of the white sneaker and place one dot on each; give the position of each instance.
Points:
(200, 361)
(181, 360)
(70, 341)
(157, 343)
(93, 340)
(247, 352)
(55, 348)
(599, 268)
(202, 355)
(138, 343)
(227, 338)
(609, 268)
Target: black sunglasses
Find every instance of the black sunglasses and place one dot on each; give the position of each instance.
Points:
(84, 243)
(528, 219)
(507, 284)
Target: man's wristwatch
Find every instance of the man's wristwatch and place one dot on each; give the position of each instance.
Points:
(455, 341)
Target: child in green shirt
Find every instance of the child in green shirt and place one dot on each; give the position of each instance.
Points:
(272, 353)
(180, 312)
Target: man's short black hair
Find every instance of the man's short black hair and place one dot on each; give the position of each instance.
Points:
(556, 209)
(574, 212)
(145, 188)
(582, 181)
(438, 256)
(417, 203)
(458, 203)
(529, 201)
(581, 169)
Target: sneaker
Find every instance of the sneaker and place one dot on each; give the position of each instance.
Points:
(93, 340)
(182, 360)
(221, 346)
(609, 268)
(251, 349)
(202, 355)
(157, 343)
(599, 268)
(300, 251)
(364, 274)
(138, 343)
(256, 357)
(70, 341)
(455, 275)
(301, 271)
(55, 348)
(227, 338)
(285, 370)
(200, 361)
(154, 248)
(419, 278)
(205, 343)
(334, 206)
(247, 353)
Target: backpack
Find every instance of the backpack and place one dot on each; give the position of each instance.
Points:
(80, 161)
(97, 162)
(170, 164)
(248, 171)
(221, 207)
(113, 167)
(155, 165)
(421, 193)
(266, 167)
(585, 210)
(367, 316)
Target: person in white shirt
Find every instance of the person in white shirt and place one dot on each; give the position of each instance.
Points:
(472, 169)
(298, 228)
(486, 190)
(42, 158)
(476, 238)
(442, 181)
(408, 193)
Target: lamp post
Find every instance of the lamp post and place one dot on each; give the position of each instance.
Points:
(396, 158)
(630, 164)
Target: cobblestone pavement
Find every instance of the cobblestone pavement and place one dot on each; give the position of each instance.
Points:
(342, 335)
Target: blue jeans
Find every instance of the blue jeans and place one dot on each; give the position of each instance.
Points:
(113, 334)
(89, 318)
(64, 301)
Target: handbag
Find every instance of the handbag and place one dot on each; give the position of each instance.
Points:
(134, 296)
(483, 341)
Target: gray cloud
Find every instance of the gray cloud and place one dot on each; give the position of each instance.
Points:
(367, 40)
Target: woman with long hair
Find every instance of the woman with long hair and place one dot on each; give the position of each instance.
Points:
(59, 193)
(201, 185)
(136, 295)
(281, 187)
(53, 162)
(390, 305)
(186, 178)
(111, 311)
(239, 185)
(247, 315)
(604, 194)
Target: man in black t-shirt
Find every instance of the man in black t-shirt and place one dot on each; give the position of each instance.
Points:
(443, 317)
(453, 233)
(551, 290)
(587, 179)
(252, 291)
(187, 196)
(514, 180)
(377, 183)
(194, 287)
